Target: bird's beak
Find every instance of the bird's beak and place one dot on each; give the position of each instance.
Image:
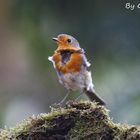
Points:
(55, 39)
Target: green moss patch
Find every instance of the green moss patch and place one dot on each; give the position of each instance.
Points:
(76, 121)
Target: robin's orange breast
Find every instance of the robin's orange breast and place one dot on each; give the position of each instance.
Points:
(72, 65)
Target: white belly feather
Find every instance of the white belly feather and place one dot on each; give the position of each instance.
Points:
(77, 81)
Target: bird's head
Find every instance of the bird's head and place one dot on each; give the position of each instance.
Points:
(66, 42)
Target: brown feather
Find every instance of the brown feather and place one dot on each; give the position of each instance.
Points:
(93, 97)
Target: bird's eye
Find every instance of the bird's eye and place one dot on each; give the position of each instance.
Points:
(69, 40)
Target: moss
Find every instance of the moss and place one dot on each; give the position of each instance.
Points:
(76, 121)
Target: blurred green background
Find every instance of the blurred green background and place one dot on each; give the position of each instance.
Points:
(109, 33)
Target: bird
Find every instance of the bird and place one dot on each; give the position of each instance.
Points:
(72, 67)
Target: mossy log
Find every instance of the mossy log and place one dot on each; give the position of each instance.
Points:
(82, 120)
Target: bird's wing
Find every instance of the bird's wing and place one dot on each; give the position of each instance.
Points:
(85, 62)
(50, 58)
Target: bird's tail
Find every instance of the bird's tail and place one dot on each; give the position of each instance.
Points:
(93, 97)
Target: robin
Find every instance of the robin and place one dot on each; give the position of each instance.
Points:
(71, 65)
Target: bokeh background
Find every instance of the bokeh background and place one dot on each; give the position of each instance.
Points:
(109, 33)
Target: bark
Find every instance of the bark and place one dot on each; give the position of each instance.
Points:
(82, 120)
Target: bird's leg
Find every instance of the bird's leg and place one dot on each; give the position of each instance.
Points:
(64, 98)
(81, 94)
